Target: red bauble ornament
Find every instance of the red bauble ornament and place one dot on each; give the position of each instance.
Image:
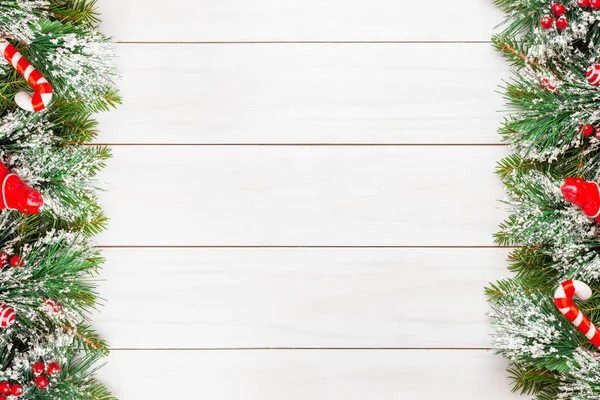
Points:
(53, 369)
(586, 129)
(4, 388)
(583, 3)
(42, 382)
(593, 74)
(16, 195)
(7, 318)
(38, 368)
(562, 23)
(585, 195)
(16, 390)
(16, 261)
(595, 4)
(546, 22)
(558, 9)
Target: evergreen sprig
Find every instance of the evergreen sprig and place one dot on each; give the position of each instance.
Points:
(548, 99)
(54, 289)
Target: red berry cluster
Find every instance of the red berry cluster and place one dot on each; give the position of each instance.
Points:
(562, 21)
(39, 368)
(594, 4)
(6, 389)
(14, 261)
(587, 130)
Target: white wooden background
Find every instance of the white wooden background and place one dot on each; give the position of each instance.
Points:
(302, 199)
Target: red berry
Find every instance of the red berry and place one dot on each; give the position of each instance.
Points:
(56, 306)
(562, 22)
(546, 22)
(3, 258)
(53, 369)
(586, 129)
(15, 261)
(4, 388)
(42, 382)
(2, 398)
(16, 390)
(583, 3)
(558, 9)
(38, 368)
(595, 4)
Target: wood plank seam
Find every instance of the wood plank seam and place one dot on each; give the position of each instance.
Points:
(322, 42)
(200, 349)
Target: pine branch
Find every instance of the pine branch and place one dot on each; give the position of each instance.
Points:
(82, 12)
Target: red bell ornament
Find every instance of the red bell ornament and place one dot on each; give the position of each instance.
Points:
(16, 195)
(585, 195)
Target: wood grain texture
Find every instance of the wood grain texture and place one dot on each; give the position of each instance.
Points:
(240, 298)
(308, 374)
(299, 20)
(302, 196)
(326, 93)
(307, 93)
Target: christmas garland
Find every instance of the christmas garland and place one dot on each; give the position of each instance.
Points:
(543, 325)
(55, 74)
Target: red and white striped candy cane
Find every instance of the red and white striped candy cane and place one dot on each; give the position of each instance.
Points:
(7, 316)
(42, 90)
(563, 298)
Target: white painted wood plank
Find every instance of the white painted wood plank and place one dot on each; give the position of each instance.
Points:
(302, 196)
(307, 93)
(336, 298)
(301, 375)
(299, 20)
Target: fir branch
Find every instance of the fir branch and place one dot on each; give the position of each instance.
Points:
(82, 12)
(530, 381)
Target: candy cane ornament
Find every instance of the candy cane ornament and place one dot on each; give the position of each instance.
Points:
(42, 90)
(563, 298)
